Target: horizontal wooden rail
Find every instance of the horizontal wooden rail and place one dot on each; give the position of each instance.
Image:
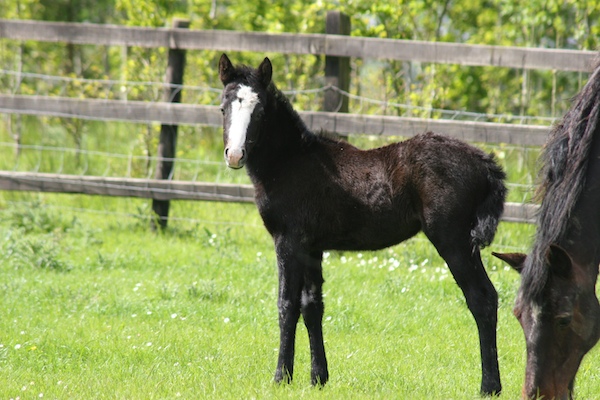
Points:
(125, 187)
(134, 111)
(288, 43)
(520, 212)
(341, 123)
(168, 190)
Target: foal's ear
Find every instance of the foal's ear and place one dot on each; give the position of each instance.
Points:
(265, 72)
(559, 261)
(515, 260)
(226, 70)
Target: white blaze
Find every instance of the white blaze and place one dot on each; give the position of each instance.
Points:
(241, 111)
(536, 315)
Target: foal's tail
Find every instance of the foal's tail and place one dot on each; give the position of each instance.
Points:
(490, 210)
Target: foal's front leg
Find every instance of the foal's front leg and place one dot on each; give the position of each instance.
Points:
(300, 291)
(288, 303)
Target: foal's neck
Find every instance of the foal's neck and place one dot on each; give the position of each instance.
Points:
(284, 121)
(283, 135)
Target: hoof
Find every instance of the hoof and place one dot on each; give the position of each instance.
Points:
(492, 391)
(282, 377)
(319, 380)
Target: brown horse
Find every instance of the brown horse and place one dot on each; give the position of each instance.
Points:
(556, 303)
(315, 194)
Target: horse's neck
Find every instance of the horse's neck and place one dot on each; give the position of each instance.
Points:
(285, 122)
(282, 137)
(584, 232)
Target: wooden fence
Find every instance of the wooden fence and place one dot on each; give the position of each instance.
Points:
(173, 113)
(290, 43)
(168, 190)
(323, 44)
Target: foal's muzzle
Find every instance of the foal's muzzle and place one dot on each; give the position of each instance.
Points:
(235, 158)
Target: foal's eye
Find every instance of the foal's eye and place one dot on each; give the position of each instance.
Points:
(563, 320)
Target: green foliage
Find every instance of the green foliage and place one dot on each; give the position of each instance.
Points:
(554, 24)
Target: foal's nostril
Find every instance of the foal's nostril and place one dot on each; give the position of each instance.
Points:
(235, 157)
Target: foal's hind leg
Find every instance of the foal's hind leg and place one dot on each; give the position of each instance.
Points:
(312, 312)
(482, 300)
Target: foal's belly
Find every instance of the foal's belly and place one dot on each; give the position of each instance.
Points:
(368, 233)
(331, 218)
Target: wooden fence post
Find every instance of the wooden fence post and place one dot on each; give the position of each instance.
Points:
(168, 133)
(337, 69)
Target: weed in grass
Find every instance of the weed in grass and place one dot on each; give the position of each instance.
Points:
(111, 260)
(168, 292)
(32, 252)
(207, 290)
(220, 240)
(35, 218)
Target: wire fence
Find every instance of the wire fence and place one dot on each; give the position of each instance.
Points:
(79, 161)
(33, 84)
(145, 218)
(83, 162)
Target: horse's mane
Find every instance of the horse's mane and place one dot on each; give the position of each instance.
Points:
(308, 137)
(564, 165)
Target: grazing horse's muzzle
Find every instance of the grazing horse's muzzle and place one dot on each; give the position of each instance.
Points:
(235, 157)
(547, 393)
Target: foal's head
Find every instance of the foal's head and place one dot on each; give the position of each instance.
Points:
(560, 319)
(243, 102)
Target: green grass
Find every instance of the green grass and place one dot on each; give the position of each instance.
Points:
(98, 306)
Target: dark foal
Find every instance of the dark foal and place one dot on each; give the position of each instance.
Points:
(556, 303)
(316, 194)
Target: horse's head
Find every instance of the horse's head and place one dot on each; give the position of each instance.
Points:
(243, 102)
(561, 323)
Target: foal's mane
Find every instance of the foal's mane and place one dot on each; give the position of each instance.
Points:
(308, 137)
(564, 165)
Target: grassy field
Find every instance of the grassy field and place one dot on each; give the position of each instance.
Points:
(95, 305)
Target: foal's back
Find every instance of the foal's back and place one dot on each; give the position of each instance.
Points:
(416, 171)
